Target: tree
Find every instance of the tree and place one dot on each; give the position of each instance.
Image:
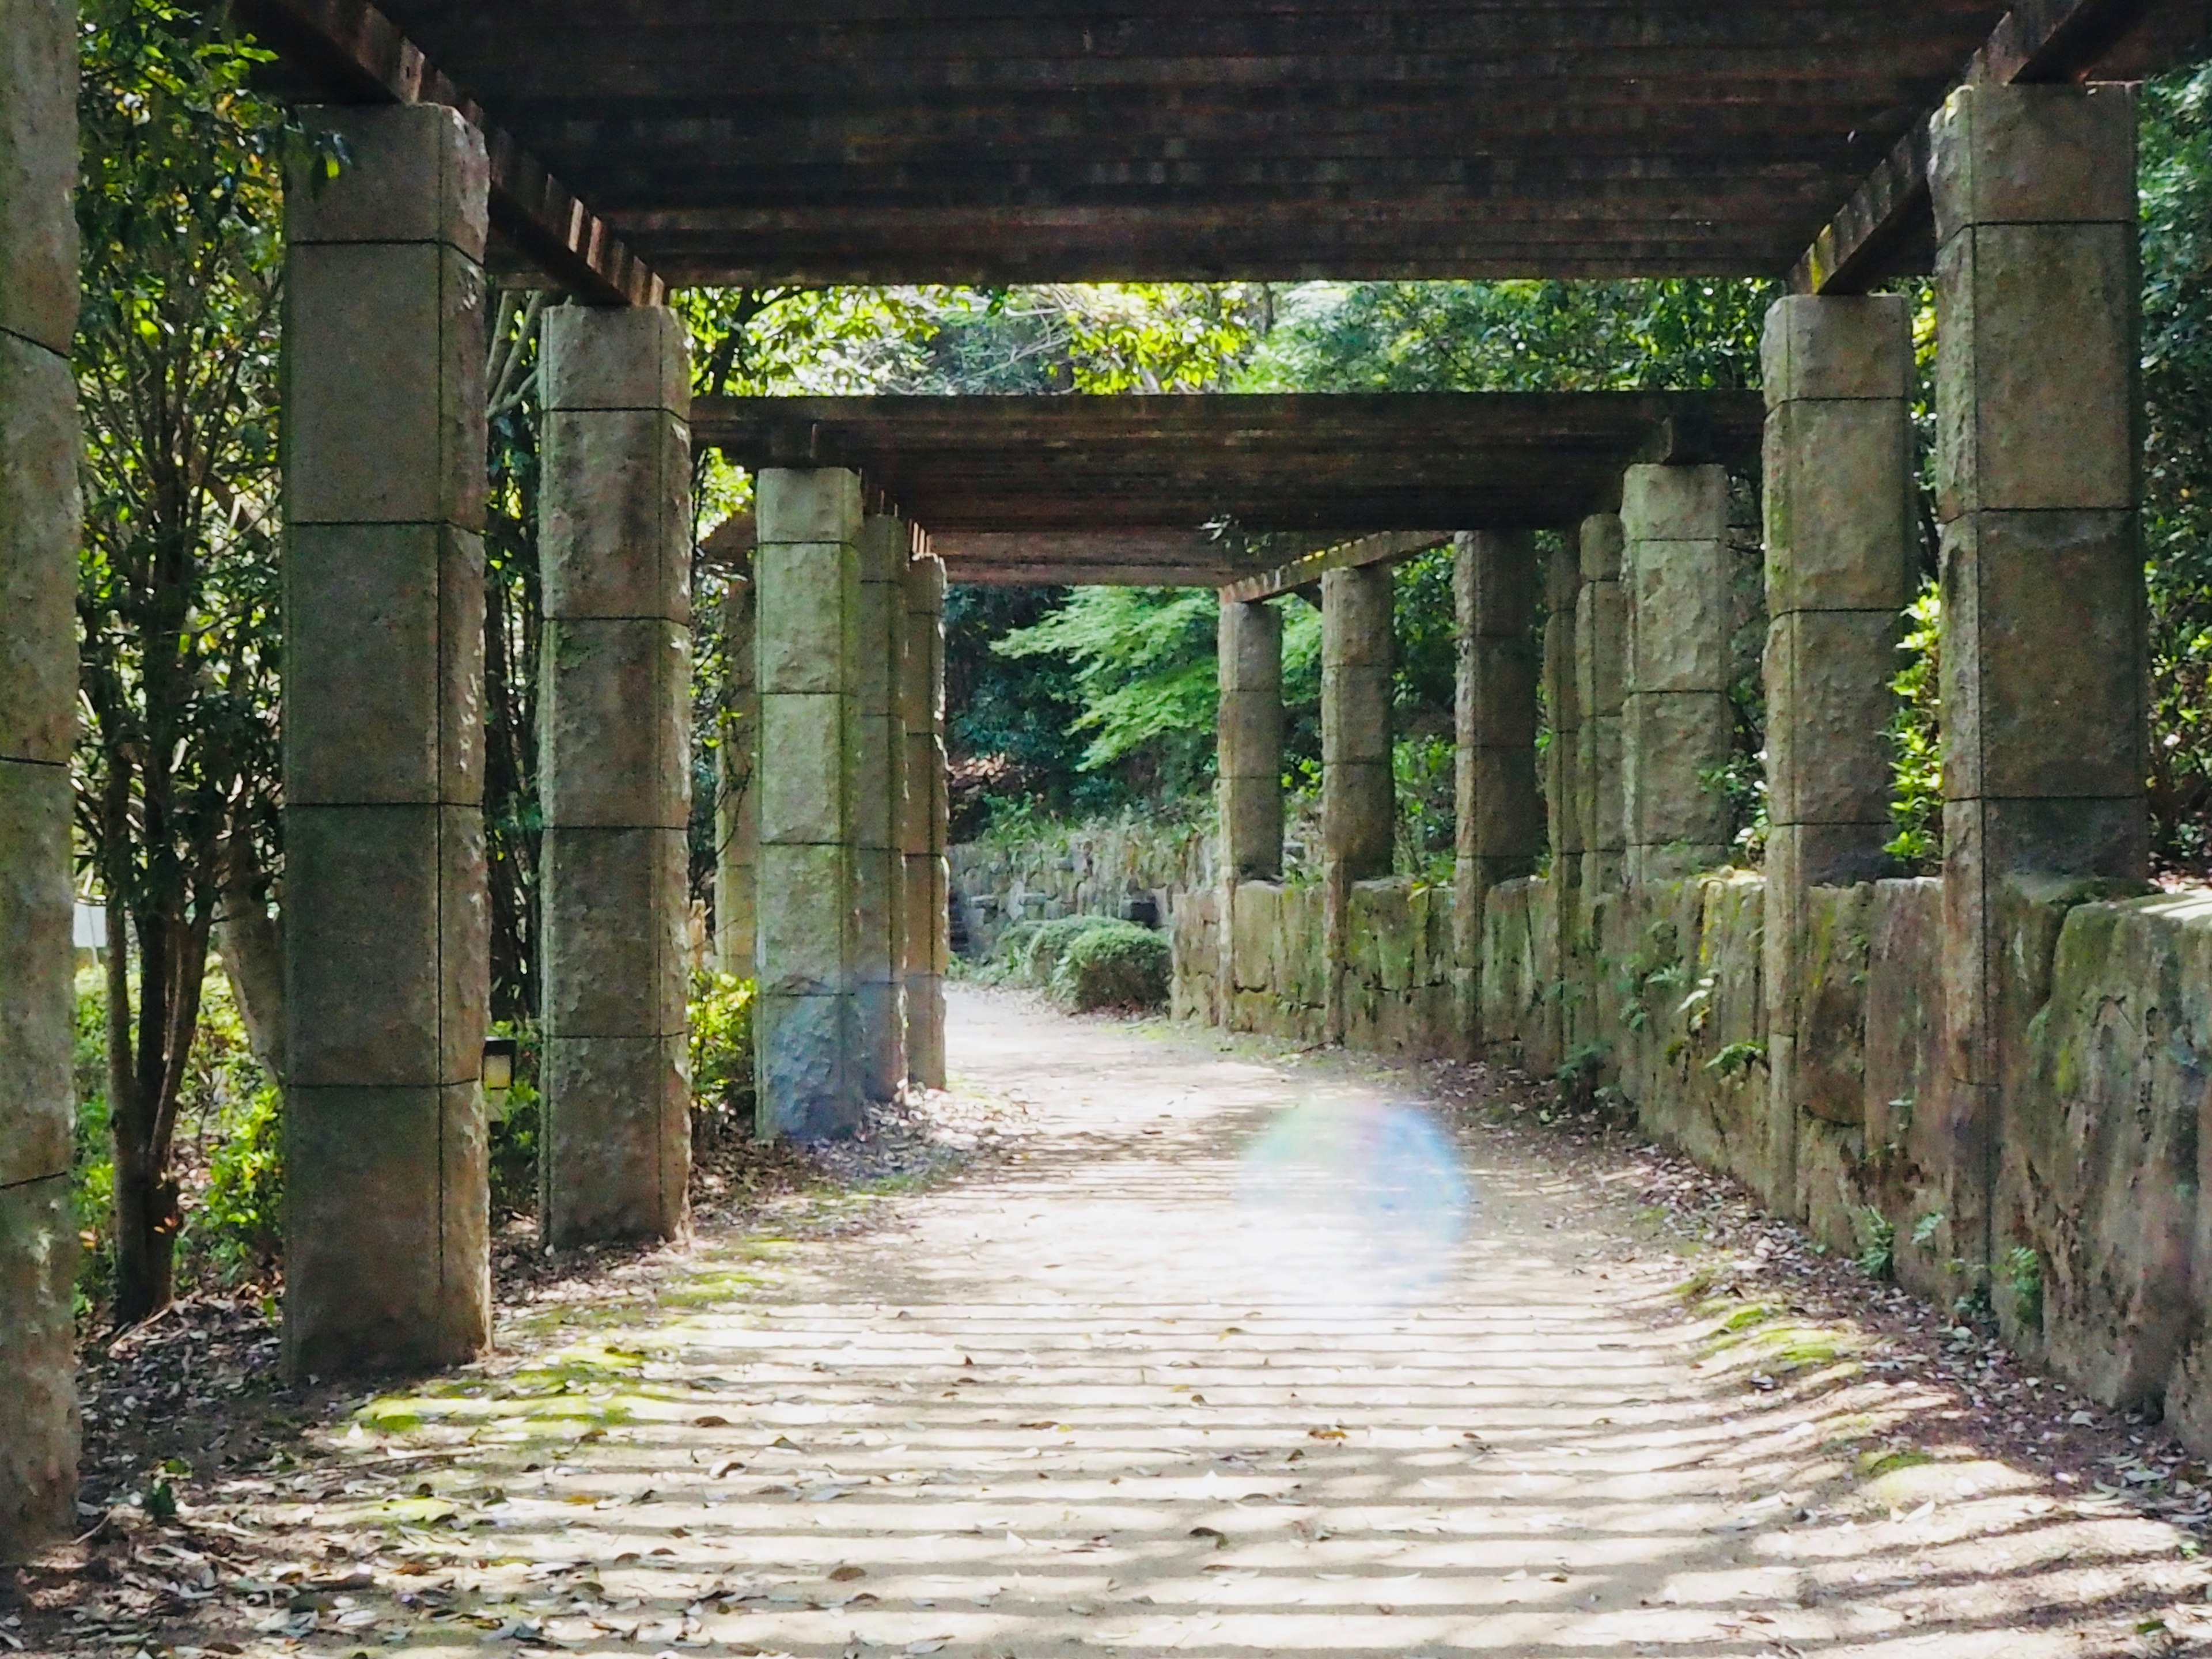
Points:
(176, 771)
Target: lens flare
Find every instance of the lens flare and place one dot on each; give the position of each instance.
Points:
(1350, 1201)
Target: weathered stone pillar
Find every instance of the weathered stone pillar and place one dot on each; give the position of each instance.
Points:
(927, 943)
(1600, 656)
(1840, 529)
(1248, 650)
(1359, 796)
(879, 761)
(737, 818)
(614, 776)
(1678, 725)
(1566, 811)
(386, 934)
(39, 520)
(1499, 815)
(2044, 645)
(806, 1031)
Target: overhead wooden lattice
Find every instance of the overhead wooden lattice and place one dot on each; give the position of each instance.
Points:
(1125, 484)
(907, 141)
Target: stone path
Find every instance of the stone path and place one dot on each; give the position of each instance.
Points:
(1058, 1404)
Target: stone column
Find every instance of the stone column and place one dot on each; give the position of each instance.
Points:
(1565, 808)
(1840, 532)
(1600, 652)
(614, 774)
(386, 934)
(1359, 795)
(737, 818)
(1499, 815)
(1677, 722)
(2043, 645)
(879, 761)
(927, 935)
(808, 1077)
(1248, 650)
(38, 523)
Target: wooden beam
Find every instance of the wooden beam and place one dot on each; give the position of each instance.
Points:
(1886, 227)
(1389, 548)
(1082, 575)
(351, 53)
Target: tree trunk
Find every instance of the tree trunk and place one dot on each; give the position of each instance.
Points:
(246, 938)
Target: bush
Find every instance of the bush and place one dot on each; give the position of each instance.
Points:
(1112, 965)
(514, 1125)
(721, 1058)
(1050, 941)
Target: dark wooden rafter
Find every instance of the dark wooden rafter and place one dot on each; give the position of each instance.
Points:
(1389, 548)
(1886, 228)
(353, 53)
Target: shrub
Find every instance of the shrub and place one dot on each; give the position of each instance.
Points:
(238, 1228)
(514, 1124)
(1112, 965)
(721, 1058)
(1048, 941)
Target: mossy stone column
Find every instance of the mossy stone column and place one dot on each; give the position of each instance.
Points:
(1358, 809)
(879, 759)
(737, 816)
(1566, 812)
(1840, 534)
(1499, 815)
(807, 1069)
(386, 933)
(1678, 724)
(38, 523)
(1248, 650)
(614, 774)
(2038, 411)
(1600, 656)
(925, 935)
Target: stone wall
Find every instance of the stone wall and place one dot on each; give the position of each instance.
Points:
(1087, 870)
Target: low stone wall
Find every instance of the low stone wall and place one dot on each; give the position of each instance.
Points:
(1084, 870)
(2095, 1253)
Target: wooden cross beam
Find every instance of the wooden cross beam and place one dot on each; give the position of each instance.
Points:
(351, 53)
(1391, 547)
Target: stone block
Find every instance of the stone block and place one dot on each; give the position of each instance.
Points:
(1604, 769)
(1671, 741)
(1502, 678)
(1672, 504)
(614, 724)
(634, 357)
(37, 1005)
(392, 988)
(1841, 533)
(1683, 611)
(2033, 155)
(39, 1423)
(1829, 701)
(1821, 346)
(1250, 637)
(879, 1038)
(877, 878)
(618, 1134)
(38, 534)
(1600, 649)
(806, 782)
(806, 920)
(1256, 921)
(413, 173)
(613, 900)
(1603, 538)
(615, 515)
(1355, 701)
(2044, 640)
(1904, 1011)
(1829, 932)
(805, 1079)
(878, 782)
(924, 1031)
(384, 696)
(1358, 817)
(386, 1229)
(2037, 383)
(807, 638)
(1506, 814)
(816, 505)
(383, 386)
(39, 254)
(1356, 619)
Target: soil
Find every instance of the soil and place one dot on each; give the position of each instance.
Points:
(1144, 1338)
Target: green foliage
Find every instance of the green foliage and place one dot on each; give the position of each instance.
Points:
(1035, 948)
(1878, 1255)
(516, 1119)
(1091, 338)
(1925, 1229)
(1115, 964)
(1736, 1060)
(1915, 733)
(1425, 773)
(239, 1227)
(2023, 1276)
(721, 1057)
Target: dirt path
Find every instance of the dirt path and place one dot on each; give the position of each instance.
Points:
(1063, 1402)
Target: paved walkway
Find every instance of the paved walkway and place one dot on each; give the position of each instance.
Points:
(1061, 1403)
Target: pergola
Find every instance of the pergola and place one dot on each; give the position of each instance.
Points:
(608, 151)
